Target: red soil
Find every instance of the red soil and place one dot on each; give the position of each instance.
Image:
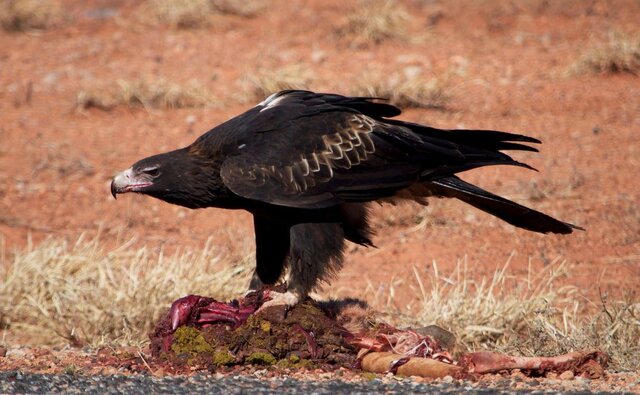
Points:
(509, 69)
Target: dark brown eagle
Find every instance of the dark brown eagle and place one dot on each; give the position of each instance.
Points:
(307, 164)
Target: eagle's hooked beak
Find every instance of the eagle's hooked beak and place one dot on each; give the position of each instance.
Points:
(127, 181)
(114, 189)
(120, 182)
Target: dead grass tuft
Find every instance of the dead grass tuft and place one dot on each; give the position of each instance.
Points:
(194, 14)
(59, 293)
(620, 55)
(374, 21)
(264, 84)
(246, 8)
(525, 314)
(406, 90)
(159, 94)
(182, 14)
(614, 328)
(26, 15)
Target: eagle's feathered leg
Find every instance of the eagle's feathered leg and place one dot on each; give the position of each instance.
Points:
(316, 252)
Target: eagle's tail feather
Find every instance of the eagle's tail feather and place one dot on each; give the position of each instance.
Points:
(511, 212)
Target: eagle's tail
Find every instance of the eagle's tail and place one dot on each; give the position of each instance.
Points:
(511, 212)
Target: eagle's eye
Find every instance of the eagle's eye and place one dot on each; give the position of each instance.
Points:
(152, 171)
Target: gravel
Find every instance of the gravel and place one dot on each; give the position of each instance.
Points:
(12, 382)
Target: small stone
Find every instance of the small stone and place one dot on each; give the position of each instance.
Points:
(104, 352)
(446, 339)
(108, 371)
(520, 386)
(318, 56)
(3, 352)
(447, 379)
(584, 381)
(160, 372)
(41, 352)
(17, 353)
(567, 375)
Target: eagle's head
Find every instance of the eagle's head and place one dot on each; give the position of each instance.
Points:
(174, 177)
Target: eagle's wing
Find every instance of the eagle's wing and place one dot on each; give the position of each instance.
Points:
(307, 150)
(314, 155)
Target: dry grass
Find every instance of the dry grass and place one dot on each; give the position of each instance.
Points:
(265, 83)
(182, 14)
(158, 94)
(614, 328)
(525, 314)
(374, 21)
(246, 8)
(407, 89)
(27, 15)
(58, 293)
(194, 14)
(620, 55)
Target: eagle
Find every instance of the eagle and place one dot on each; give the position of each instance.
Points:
(307, 166)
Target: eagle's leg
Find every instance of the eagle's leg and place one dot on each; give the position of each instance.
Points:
(315, 254)
(255, 283)
(288, 298)
(273, 242)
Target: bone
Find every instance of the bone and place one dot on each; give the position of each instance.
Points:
(590, 364)
(383, 362)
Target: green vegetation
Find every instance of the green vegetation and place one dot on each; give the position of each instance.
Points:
(261, 358)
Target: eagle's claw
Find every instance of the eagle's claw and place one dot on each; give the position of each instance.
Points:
(287, 299)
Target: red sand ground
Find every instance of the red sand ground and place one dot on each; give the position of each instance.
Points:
(510, 73)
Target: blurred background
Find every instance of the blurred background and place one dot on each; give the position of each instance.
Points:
(89, 87)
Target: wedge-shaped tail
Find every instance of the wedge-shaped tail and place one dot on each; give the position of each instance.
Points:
(511, 212)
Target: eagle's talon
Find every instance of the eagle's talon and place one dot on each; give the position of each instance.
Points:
(286, 299)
